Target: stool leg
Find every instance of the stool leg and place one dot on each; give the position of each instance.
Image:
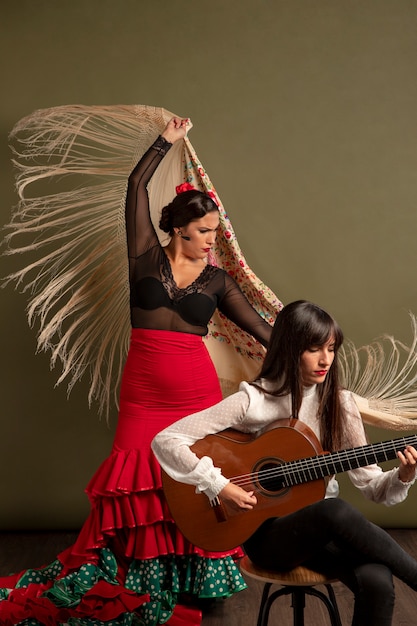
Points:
(332, 597)
(298, 595)
(298, 605)
(284, 591)
(264, 599)
(330, 604)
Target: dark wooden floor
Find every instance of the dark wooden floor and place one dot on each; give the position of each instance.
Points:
(33, 549)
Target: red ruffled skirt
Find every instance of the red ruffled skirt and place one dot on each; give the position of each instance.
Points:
(130, 564)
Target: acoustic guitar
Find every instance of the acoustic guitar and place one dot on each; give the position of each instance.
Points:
(285, 467)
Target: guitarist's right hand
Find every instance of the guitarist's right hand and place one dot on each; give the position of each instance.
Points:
(237, 498)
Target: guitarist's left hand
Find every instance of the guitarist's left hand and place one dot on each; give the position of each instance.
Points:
(408, 464)
(237, 498)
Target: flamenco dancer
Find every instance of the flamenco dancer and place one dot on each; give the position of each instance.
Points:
(130, 564)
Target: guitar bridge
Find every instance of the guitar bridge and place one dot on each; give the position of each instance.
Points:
(219, 510)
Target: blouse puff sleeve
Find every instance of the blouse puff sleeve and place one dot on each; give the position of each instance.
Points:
(172, 445)
(248, 410)
(377, 485)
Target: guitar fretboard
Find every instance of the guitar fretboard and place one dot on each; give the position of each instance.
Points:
(316, 467)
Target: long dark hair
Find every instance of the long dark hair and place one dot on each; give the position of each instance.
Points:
(186, 207)
(299, 326)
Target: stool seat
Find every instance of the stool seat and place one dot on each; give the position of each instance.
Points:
(298, 576)
(298, 583)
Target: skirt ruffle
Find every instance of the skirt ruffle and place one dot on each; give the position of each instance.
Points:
(93, 593)
(130, 564)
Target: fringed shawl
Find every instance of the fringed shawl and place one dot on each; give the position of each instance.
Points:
(72, 164)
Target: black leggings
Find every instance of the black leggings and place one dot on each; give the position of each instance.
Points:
(332, 537)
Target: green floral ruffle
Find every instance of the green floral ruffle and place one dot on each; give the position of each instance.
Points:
(163, 578)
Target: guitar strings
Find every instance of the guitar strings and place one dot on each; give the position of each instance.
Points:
(297, 469)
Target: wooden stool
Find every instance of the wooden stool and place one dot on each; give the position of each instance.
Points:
(298, 582)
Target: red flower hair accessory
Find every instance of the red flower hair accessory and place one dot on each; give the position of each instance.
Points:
(184, 187)
(187, 187)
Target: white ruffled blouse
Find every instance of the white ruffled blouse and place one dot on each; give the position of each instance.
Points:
(250, 410)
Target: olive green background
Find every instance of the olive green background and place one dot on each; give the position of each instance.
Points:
(304, 116)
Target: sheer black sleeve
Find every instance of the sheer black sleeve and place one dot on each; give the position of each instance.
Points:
(141, 235)
(238, 309)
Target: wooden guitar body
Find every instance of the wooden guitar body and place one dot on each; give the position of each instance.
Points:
(218, 528)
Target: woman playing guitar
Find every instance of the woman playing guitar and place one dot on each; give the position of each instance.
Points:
(299, 381)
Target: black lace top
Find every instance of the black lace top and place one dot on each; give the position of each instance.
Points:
(156, 301)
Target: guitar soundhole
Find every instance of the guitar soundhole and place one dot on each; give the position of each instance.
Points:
(270, 481)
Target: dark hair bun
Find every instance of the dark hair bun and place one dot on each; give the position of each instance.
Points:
(185, 207)
(165, 223)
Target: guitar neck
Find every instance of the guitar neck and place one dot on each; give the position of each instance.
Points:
(323, 465)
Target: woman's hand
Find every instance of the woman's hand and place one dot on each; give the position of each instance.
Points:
(175, 129)
(237, 498)
(408, 464)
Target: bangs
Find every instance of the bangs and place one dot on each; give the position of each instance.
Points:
(321, 330)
